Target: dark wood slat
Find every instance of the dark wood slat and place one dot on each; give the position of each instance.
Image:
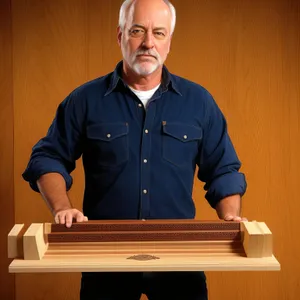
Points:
(143, 236)
(149, 225)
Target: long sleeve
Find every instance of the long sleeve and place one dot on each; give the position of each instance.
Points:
(62, 145)
(218, 162)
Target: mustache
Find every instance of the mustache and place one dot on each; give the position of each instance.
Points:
(147, 52)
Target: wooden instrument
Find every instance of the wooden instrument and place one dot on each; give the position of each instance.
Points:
(138, 245)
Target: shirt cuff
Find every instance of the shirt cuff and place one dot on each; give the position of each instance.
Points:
(42, 165)
(224, 186)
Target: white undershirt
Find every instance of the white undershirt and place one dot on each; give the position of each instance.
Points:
(145, 96)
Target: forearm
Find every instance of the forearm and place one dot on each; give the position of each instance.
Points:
(52, 187)
(229, 206)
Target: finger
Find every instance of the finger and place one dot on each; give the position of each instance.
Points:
(79, 217)
(244, 219)
(61, 218)
(238, 219)
(56, 218)
(85, 219)
(228, 218)
(69, 219)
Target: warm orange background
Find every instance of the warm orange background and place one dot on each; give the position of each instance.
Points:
(245, 52)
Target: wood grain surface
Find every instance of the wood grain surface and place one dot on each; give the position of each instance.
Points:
(116, 236)
(139, 225)
(85, 251)
(246, 53)
(7, 218)
(129, 262)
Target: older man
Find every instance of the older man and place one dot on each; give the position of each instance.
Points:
(141, 132)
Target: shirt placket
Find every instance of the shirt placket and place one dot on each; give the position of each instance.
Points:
(145, 163)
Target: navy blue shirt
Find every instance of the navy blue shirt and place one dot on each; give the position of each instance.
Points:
(140, 163)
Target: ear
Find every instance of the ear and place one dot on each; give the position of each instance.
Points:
(119, 35)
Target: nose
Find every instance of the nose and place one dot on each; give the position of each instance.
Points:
(148, 41)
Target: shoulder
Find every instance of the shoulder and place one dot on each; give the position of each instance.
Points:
(193, 92)
(199, 98)
(97, 85)
(89, 91)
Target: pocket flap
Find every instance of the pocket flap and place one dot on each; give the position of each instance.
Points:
(107, 131)
(182, 132)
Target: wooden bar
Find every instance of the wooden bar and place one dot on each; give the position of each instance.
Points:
(267, 249)
(136, 262)
(35, 242)
(15, 241)
(257, 239)
(126, 236)
(148, 225)
(154, 247)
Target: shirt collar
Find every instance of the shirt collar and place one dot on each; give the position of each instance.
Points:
(167, 80)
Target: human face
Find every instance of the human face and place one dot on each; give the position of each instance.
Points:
(145, 40)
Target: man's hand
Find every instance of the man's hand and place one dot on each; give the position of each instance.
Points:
(234, 218)
(67, 216)
(228, 209)
(52, 187)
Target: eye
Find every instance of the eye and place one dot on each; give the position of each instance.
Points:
(136, 32)
(159, 35)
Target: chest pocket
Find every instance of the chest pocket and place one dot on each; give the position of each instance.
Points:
(108, 143)
(180, 143)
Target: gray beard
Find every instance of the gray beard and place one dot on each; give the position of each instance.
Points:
(144, 71)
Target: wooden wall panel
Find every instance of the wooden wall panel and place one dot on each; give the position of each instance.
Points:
(251, 65)
(49, 60)
(6, 149)
(246, 53)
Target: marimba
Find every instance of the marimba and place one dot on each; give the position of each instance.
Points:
(138, 245)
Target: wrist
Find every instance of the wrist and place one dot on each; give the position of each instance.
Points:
(56, 208)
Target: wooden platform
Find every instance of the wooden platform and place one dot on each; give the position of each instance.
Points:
(154, 245)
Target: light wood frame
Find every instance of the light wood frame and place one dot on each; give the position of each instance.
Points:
(32, 252)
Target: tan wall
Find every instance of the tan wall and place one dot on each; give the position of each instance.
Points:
(246, 53)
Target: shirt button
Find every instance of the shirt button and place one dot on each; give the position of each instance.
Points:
(145, 161)
(185, 137)
(145, 191)
(140, 105)
(108, 135)
(146, 131)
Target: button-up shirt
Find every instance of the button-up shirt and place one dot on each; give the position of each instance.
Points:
(140, 163)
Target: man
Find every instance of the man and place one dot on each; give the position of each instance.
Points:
(141, 132)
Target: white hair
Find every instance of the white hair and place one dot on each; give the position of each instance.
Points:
(126, 3)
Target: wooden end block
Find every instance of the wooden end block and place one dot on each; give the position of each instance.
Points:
(35, 241)
(15, 241)
(268, 240)
(257, 239)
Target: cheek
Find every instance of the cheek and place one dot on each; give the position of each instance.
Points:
(133, 45)
(164, 50)
(168, 46)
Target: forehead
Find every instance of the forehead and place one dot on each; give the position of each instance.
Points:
(149, 15)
